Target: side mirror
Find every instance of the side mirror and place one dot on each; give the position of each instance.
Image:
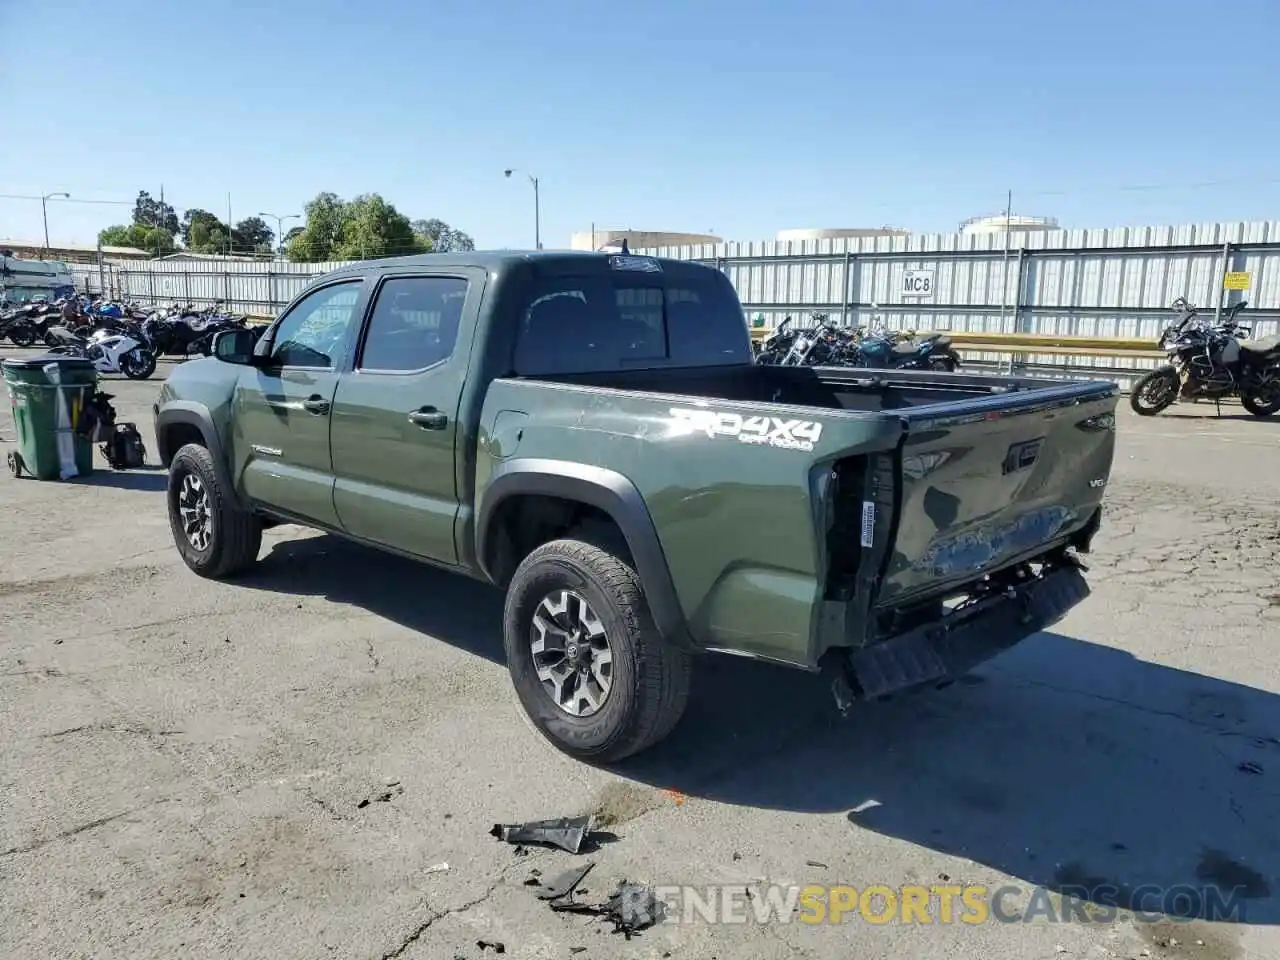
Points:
(235, 346)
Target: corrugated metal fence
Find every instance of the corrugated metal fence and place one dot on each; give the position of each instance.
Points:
(1097, 283)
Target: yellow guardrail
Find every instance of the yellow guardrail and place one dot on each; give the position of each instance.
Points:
(1048, 343)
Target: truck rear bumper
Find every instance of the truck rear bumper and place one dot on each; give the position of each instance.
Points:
(940, 652)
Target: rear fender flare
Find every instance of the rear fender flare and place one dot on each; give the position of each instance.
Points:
(606, 490)
(196, 415)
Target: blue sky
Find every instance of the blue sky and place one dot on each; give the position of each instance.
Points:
(740, 118)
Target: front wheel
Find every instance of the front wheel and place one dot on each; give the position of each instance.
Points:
(215, 538)
(1264, 399)
(138, 364)
(1154, 391)
(587, 662)
(943, 363)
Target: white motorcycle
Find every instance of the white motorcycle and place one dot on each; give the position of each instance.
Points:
(110, 351)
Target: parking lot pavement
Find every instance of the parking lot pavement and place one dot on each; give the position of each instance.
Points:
(272, 768)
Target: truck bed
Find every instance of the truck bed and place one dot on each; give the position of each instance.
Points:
(807, 508)
(833, 388)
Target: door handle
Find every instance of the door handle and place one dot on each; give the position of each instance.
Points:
(316, 404)
(429, 418)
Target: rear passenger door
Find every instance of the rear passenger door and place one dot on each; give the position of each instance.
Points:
(395, 429)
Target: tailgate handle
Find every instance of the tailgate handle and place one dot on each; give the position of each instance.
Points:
(1022, 455)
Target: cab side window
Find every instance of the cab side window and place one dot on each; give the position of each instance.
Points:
(414, 324)
(313, 332)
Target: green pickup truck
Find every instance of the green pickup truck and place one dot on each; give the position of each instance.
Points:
(590, 433)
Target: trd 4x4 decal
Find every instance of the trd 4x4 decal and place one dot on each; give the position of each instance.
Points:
(767, 431)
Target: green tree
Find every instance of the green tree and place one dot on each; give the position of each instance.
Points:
(252, 235)
(364, 228)
(117, 236)
(322, 232)
(374, 228)
(155, 214)
(154, 240)
(202, 232)
(442, 237)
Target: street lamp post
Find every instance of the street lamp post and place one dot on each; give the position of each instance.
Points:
(44, 212)
(280, 228)
(537, 209)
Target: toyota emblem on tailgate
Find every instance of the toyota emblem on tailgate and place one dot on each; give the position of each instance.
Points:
(1022, 455)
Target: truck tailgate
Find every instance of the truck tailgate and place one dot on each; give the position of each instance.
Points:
(986, 482)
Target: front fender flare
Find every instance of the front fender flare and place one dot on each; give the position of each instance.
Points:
(196, 415)
(606, 490)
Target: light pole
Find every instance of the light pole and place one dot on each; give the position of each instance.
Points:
(280, 227)
(537, 209)
(44, 212)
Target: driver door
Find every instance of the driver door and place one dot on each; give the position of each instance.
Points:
(282, 411)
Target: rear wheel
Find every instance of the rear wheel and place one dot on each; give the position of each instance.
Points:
(1154, 391)
(587, 662)
(22, 334)
(1263, 400)
(945, 364)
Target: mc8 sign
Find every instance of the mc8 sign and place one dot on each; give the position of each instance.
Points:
(917, 283)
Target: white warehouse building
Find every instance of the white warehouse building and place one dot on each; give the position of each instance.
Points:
(999, 222)
(638, 239)
(835, 233)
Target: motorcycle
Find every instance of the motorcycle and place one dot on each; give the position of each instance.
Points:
(932, 352)
(17, 326)
(29, 322)
(1211, 362)
(109, 351)
(187, 335)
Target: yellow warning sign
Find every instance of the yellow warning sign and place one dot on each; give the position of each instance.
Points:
(1235, 281)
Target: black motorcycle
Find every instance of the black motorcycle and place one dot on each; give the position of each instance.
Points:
(30, 322)
(1211, 362)
(183, 338)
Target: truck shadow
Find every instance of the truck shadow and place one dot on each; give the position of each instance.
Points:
(1067, 764)
(1064, 763)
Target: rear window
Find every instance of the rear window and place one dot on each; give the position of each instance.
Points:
(611, 322)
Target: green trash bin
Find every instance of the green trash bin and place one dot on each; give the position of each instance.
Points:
(46, 395)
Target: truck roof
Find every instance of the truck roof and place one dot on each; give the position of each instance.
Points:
(544, 261)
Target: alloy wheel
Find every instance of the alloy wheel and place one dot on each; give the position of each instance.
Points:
(572, 656)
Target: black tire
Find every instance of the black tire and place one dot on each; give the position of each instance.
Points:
(1154, 391)
(234, 535)
(50, 340)
(649, 678)
(138, 364)
(1265, 402)
(14, 462)
(943, 363)
(22, 334)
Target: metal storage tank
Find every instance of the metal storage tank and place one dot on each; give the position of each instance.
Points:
(638, 239)
(834, 233)
(996, 223)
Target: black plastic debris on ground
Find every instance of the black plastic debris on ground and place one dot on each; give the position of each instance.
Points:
(567, 833)
(496, 946)
(630, 909)
(563, 885)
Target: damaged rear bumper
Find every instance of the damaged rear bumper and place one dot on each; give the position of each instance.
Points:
(940, 652)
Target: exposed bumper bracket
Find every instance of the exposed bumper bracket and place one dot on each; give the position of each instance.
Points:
(942, 652)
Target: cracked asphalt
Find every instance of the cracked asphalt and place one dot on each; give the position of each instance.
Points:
(279, 768)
